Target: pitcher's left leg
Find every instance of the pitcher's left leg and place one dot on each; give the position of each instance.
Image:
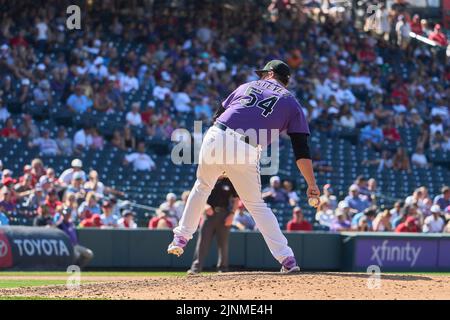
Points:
(246, 182)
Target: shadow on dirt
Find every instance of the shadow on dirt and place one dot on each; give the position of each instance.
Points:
(386, 276)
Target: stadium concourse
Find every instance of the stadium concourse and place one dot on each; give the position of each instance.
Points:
(111, 94)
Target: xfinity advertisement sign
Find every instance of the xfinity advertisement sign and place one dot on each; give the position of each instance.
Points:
(397, 253)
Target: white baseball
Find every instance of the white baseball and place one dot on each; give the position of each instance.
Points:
(313, 202)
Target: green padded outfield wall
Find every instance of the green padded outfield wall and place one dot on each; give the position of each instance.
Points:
(143, 248)
(349, 251)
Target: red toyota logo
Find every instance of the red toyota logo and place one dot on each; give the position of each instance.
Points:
(3, 249)
(6, 259)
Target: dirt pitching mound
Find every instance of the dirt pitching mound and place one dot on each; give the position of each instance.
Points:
(252, 285)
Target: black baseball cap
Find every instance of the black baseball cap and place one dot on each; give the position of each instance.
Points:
(277, 66)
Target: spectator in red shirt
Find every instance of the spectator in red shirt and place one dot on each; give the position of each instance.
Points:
(391, 133)
(295, 59)
(19, 40)
(147, 114)
(9, 131)
(410, 225)
(8, 181)
(366, 54)
(416, 26)
(447, 73)
(161, 220)
(52, 201)
(298, 222)
(400, 93)
(6, 173)
(10, 184)
(93, 222)
(438, 36)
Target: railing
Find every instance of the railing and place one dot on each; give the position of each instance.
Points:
(429, 42)
(423, 39)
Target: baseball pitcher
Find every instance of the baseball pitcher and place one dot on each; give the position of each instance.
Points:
(257, 106)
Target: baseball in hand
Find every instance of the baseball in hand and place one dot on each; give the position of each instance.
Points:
(313, 202)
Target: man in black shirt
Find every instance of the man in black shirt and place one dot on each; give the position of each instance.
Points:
(220, 206)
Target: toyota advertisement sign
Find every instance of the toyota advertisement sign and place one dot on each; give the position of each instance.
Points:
(34, 248)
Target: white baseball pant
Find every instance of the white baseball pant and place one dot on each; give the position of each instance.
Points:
(223, 151)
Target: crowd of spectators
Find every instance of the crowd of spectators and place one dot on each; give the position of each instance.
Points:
(371, 85)
(45, 197)
(345, 81)
(358, 211)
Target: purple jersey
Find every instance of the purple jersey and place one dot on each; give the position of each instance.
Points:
(263, 105)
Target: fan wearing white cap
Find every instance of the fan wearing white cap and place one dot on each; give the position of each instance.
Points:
(97, 69)
(169, 206)
(275, 193)
(76, 166)
(434, 223)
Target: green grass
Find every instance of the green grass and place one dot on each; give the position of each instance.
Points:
(42, 298)
(25, 298)
(20, 283)
(25, 282)
(28, 283)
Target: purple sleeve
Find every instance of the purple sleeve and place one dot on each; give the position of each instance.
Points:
(297, 121)
(232, 96)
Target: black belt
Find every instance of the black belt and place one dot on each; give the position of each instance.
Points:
(246, 139)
